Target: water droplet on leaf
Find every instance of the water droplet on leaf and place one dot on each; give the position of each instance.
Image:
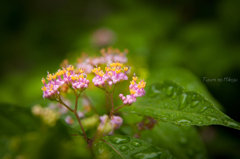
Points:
(169, 90)
(119, 139)
(123, 148)
(136, 144)
(194, 104)
(183, 101)
(149, 153)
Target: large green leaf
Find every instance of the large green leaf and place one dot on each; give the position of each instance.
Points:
(170, 102)
(185, 78)
(182, 141)
(119, 147)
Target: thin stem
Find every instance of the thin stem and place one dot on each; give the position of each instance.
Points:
(75, 113)
(79, 121)
(76, 101)
(60, 101)
(113, 111)
(118, 108)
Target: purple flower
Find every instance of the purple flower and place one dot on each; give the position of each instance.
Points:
(65, 76)
(113, 75)
(136, 90)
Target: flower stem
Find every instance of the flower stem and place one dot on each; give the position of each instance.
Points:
(75, 113)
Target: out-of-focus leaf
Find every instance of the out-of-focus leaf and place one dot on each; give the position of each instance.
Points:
(182, 141)
(16, 120)
(119, 147)
(170, 102)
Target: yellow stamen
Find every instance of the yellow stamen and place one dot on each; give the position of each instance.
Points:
(44, 88)
(125, 68)
(132, 91)
(101, 73)
(81, 70)
(68, 74)
(134, 78)
(107, 69)
(113, 65)
(118, 71)
(73, 78)
(110, 74)
(81, 76)
(54, 76)
(99, 68)
(70, 68)
(43, 81)
(58, 73)
(51, 88)
(119, 64)
(49, 77)
(132, 82)
(113, 68)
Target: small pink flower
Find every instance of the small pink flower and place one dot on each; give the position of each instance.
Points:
(65, 76)
(115, 122)
(69, 120)
(136, 90)
(114, 74)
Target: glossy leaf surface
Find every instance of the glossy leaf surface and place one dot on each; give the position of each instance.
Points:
(119, 147)
(168, 101)
(182, 141)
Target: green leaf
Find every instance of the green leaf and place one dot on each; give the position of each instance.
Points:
(119, 147)
(182, 141)
(185, 78)
(168, 101)
(15, 120)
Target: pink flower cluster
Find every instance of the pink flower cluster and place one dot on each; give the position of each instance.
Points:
(107, 57)
(115, 122)
(136, 90)
(114, 74)
(55, 81)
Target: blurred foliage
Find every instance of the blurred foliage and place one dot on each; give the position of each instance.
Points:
(200, 36)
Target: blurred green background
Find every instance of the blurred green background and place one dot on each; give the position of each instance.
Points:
(201, 36)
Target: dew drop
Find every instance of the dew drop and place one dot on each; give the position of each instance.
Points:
(210, 118)
(149, 153)
(183, 101)
(131, 148)
(184, 122)
(165, 105)
(169, 90)
(119, 139)
(148, 112)
(231, 124)
(203, 109)
(194, 104)
(154, 92)
(136, 144)
(164, 118)
(200, 123)
(123, 148)
(174, 95)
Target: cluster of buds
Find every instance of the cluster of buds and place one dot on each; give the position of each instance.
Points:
(114, 74)
(65, 76)
(108, 55)
(136, 90)
(47, 115)
(114, 123)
